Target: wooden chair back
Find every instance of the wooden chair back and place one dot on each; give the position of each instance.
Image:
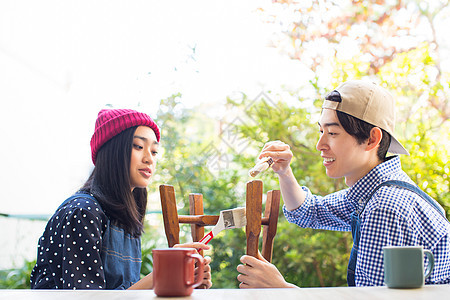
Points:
(199, 220)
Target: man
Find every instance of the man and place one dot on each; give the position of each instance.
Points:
(356, 132)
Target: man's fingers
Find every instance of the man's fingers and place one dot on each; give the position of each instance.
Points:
(247, 271)
(242, 269)
(245, 281)
(253, 261)
(271, 148)
(248, 260)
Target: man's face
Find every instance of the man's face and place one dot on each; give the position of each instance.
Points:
(341, 153)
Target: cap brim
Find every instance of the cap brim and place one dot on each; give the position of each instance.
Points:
(396, 148)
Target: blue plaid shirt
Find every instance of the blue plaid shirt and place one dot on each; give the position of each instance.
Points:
(393, 217)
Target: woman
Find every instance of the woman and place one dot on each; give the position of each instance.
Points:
(93, 239)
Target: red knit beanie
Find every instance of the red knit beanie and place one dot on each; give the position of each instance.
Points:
(111, 122)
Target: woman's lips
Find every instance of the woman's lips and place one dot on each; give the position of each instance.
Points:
(147, 173)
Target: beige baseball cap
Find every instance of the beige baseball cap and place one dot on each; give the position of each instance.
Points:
(371, 103)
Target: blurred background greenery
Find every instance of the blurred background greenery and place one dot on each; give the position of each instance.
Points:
(212, 157)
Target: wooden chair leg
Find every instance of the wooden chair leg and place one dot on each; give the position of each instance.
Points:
(269, 231)
(196, 208)
(170, 214)
(253, 215)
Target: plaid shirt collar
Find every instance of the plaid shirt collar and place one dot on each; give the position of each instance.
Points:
(358, 193)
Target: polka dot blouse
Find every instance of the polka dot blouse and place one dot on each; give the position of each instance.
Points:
(69, 250)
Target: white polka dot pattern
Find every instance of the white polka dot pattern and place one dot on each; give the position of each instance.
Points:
(69, 250)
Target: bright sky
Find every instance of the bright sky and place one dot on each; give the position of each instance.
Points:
(62, 61)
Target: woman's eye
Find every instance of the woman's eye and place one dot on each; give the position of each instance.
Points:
(155, 153)
(138, 147)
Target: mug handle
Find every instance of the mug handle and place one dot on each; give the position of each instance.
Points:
(430, 266)
(201, 261)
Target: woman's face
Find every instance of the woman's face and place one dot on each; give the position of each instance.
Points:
(341, 153)
(143, 157)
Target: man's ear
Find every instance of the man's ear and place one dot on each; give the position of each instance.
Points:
(374, 139)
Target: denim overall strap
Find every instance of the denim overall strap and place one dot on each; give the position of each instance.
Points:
(356, 233)
(419, 192)
(356, 222)
(121, 257)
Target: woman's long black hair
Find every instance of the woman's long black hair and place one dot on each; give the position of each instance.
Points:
(110, 184)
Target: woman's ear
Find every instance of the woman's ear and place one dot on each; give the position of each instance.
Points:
(374, 139)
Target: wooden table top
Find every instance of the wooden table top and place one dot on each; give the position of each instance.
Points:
(436, 292)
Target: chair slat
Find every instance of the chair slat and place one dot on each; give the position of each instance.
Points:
(202, 220)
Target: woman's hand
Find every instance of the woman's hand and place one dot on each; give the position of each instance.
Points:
(195, 245)
(281, 154)
(259, 273)
(206, 283)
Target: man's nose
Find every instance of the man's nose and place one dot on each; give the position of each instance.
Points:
(321, 143)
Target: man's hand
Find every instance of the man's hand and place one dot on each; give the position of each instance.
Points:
(281, 154)
(259, 273)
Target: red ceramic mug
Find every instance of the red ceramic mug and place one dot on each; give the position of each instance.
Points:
(173, 271)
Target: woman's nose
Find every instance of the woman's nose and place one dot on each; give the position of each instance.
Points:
(148, 157)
